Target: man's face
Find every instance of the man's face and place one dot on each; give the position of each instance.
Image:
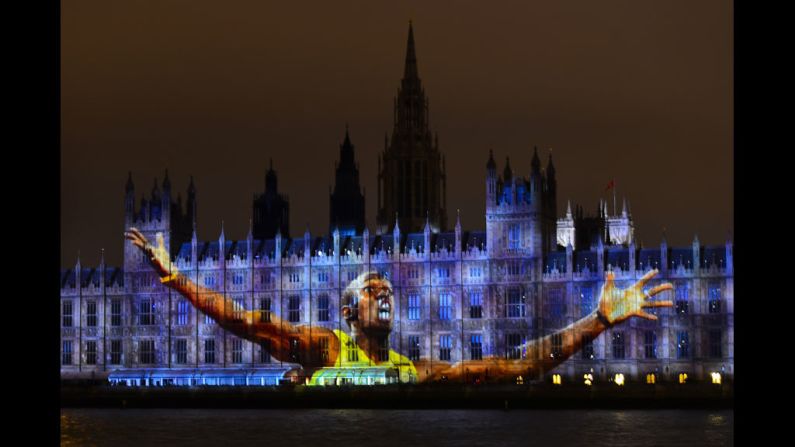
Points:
(376, 306)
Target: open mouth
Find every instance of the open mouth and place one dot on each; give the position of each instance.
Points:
(384, 310)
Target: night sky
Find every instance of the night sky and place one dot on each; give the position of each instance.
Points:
(639, 92)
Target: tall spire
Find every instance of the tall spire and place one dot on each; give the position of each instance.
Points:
(411, 57)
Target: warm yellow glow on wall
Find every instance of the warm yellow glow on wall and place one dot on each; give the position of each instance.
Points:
(588, 379)
(556, 380)
(651, 378)
(682, 377)
(619, 379)
(519, 380)
(716, 378)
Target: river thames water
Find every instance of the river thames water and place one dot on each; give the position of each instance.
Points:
(317, 427)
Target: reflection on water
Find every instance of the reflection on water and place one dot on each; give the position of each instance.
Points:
(313, 427)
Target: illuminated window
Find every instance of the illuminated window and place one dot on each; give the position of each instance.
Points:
(68, 314)
(445, 345)
(182, 312)
(237, 350)
(265, 351)
(650, 344)
(264, 310)
(294, 309)
(476, 347)
(514, 346)
(681, 302)
(514, 236)
(238, 309)
(146, 311)
(115, 312)
(586, 301)
(322, 348)
(556, 379)
(115, 352)
(651, 378)
(682, 345)
(209, 350)
(618, 345)
(587, 348)
(181, 350)
(714, 295)
(91, 313)
(91, 352)
(476, 305)
(352, 351)
(146, 351)
(557, 305)
(66, 352)
(515, 304)
(208, 319)
(557, 346)
(414, 347)
(716, 378)
(619, 379)
(323, 308)
(445, 306)
(682, 377)
(715, 343)
(414, 306)
(587, 379)
(383, 349)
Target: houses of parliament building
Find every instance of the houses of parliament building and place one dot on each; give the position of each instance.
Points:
(459, 294)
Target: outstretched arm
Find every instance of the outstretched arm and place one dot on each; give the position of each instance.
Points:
(218, 307)
(615, 306)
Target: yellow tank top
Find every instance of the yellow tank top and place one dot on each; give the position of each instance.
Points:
(352, 358)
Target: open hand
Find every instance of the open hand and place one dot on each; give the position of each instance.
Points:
(618, 305)
(158, 256)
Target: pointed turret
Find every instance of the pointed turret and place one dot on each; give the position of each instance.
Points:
(507, 173)
(129, 187)
(396, 237)
(458, 232)
(535, 164)
(491, 165)
(410, 71)
(568, 209)
(166, 182)
(624, 208)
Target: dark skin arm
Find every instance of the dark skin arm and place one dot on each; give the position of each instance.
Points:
(615, 305)
(218, 307)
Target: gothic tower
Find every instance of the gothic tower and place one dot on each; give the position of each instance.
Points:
(411, 172)
(271, 210)
(346, 203)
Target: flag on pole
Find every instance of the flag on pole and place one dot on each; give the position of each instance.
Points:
(610, 185)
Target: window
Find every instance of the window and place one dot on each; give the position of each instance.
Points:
(237, 280)
(514, 346)
(476, 305)
(586, 301)
(414, 348)
(91, 313)
(557, 305)
(515, 304)
(383, 349)
(713, 293)
(514, 268)
(237, 350)
(115, 312)
(414, 306)
(476, 347)
(264, 278)
(295, 277)
(91, 352)
(618, 345)
(587, 348)
(352, 351)
(557, 346)
(445, 343)
(265, 351)
(181, 349)
(681, 301)
(322, 308)
(650, 344)
(351, 275)
(66, 354)
(115, 352)
(322, 276)
(443, 272)
(474, 272)
(514, 236)
(682, 345)
(146, 351)
(209, 350)
(238, 309)
(182, 312)
(715, 343)
(264, 310)
(294, 308)
(445, 306)
(208, 319)
(146, 311)
(322, 348)
(67, 312)
(413, 274)
(209, 281)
